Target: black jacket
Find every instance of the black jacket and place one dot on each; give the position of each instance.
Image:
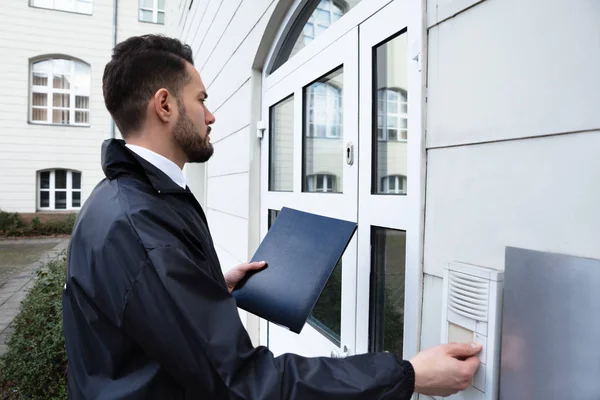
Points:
(147, 314)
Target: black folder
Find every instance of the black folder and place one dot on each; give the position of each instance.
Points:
(301, 251)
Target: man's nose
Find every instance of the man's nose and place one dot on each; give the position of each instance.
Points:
(210, 118)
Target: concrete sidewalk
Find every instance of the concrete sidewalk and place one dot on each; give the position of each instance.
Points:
(14, 291)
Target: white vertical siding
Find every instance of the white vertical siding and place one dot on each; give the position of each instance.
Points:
(28, 32)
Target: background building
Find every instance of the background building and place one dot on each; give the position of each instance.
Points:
(52, 114)
(450, 113)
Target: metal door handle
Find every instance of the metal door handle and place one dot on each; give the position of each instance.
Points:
(349, 153)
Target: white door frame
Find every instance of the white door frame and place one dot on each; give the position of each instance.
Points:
(409, 211)
(391, 211)
(342, 53)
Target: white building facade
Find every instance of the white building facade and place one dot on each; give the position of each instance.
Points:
(436, 125)
(53, 119)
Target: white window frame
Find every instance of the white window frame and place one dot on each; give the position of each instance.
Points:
(76, 6)
(155, 11)
(49, 91)
(69, 190)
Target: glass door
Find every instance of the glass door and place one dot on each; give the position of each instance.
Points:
(309, 164)
(391, 152)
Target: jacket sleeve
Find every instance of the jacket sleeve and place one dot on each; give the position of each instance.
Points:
(190, 324)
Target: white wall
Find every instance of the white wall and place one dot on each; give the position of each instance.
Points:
(28, 32)
(513, 135)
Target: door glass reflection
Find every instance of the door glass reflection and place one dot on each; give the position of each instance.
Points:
(390, 128)
(322, 144)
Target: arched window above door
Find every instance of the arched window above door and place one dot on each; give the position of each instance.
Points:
(314, 18)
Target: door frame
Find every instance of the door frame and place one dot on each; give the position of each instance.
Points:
(407, 211)
(336, 205)
(362, 12)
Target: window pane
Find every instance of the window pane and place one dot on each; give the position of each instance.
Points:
(44, 67)
(388, 260)
(281, 170)
(161, 17)
(322, 140)
(39, 99)
(326, 316)
(390, 154)
(60, 117)
(82, 117)
(161, 4)
(45, 180)
(147, 4)
(76, 199)
(39, 114)
(320, 15)
(61, 82)
(76, 176)
(273, 214)
(39, 79)
(60, 179)
(327, 313)
(61, 100)
(44, 199)
(146, 16)
(60, 200)
(43, 3)
(82, 81)
(82, 102)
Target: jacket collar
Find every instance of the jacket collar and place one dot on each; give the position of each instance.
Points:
(117, 159)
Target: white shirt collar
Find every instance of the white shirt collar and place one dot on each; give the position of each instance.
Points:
(164, 164)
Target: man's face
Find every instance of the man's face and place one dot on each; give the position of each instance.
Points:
(192, 129)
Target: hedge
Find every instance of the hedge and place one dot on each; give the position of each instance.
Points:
(36, 362)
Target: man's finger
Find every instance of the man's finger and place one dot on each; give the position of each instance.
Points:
(464, 349)
(471, 364)
(253, 266)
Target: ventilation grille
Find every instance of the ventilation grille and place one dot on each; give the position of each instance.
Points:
(468, 296)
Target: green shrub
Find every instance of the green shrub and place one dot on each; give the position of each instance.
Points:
(10, 221)
(36, 362)
(12, 225)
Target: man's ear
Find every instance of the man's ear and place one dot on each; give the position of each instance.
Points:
(162, 105)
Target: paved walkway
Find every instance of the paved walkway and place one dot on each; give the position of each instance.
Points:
(14, 290)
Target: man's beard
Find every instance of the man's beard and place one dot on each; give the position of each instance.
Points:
(187, 137)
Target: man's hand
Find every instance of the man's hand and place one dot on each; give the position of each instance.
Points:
(445, 370)
(236, 274)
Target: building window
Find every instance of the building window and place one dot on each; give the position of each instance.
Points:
(324, 109)
(60, 92)
(314, 19)
(326, 13)
(393, 184)
(76, 6)
(324, 183)
(392, 115)
(59, 189)
(152, 11)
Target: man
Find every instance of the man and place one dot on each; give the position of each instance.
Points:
(147, 311)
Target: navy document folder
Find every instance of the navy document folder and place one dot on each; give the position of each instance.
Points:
(301, 251)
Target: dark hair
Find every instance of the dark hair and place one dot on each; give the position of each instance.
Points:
(139, 67)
